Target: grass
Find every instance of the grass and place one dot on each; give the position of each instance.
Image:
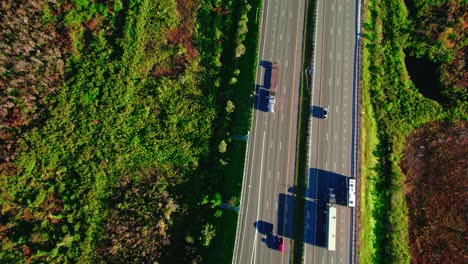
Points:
(223, 243)
(369, 142)
(232, 181)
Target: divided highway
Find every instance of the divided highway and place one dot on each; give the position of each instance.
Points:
(331, 140)
(266, 202)
(266, 212)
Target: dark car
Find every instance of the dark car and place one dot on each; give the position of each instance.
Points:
(324, 113)
(278, 243)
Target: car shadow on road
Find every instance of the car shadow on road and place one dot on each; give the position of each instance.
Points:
(266, 229)
(315, 216)
(316, 111)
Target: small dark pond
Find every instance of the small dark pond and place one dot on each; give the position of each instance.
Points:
(425, 77)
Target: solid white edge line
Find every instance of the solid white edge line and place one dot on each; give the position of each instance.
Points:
(239, 243)
(254, 251)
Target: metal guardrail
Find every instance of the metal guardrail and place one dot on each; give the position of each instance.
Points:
(357, 127)
(356, 160)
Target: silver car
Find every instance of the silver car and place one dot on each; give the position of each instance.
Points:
(324, 113)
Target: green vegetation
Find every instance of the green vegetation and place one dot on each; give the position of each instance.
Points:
(112, 158)
(392, 109)
(239, 100)
(302, 148)
(439, 34)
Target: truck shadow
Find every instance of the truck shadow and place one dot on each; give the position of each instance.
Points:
(285, 215)
(261, 98)
(267, 65)
(263, 91)
(319, 183)
(314, 223)
(315, 215)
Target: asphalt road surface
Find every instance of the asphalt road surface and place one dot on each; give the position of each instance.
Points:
(331, 140)
(266, 202)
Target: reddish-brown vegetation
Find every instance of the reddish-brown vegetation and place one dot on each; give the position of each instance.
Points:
(435, 164)
(95, 23)
(31, 68)
(136, 224)
(181, 35)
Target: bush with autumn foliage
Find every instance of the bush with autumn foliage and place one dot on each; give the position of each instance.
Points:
(435, 165)
(32, 67)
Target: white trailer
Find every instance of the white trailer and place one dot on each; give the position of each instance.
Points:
(331, 228)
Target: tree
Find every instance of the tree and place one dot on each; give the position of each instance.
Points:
(208, 233)
(240, 50)
(216, 200)
(230, 106)
(233, 80)
(222, 147)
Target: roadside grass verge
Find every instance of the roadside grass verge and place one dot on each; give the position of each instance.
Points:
(223, 243)
(240, 93)
(302, 147)
(369, 142)
(392, 108)
(232, 178)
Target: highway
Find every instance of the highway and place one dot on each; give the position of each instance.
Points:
(266, 201)
(331, 140)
